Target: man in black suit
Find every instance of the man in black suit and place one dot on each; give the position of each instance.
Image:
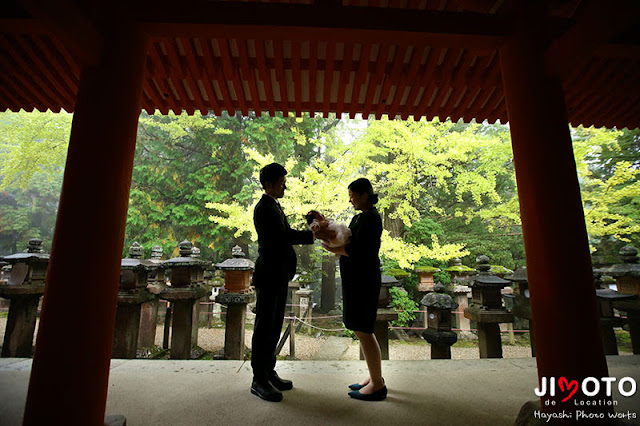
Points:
(275, 266)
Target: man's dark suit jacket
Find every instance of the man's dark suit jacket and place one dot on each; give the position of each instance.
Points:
(276, 258)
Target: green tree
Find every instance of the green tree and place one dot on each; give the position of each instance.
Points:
(608, 169)
(33, 148)
(186, 162)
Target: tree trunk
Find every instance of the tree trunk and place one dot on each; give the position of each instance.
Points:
(394, 226)
(328, 295)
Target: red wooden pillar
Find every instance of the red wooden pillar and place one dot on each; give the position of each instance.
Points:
(70, 372)
(563, 302)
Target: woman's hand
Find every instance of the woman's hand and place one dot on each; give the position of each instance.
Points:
(324, 234)
(337, 250)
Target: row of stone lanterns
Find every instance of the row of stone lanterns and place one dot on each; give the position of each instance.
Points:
(486, 309)
(143, 282)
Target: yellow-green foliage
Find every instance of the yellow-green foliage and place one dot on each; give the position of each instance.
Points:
(32, 142)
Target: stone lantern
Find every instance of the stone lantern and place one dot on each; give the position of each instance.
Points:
(426, 282)
(438, 332)
(486, 309)
(149, 313)
(385, 315)
(132, 293)
(627, 276)
(608, 320)
(236, 294)
(460, 278)
(299, 289)
(23, 289)
(206, 282)
(500, 271)
(522, 306)
(187, 286)
(304, 298)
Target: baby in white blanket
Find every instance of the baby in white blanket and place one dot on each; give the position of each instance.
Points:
(318, 222)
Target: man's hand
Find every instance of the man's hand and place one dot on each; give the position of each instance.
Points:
(325, 234)
(337, 250)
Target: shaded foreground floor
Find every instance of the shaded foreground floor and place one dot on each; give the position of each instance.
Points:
(436, 392)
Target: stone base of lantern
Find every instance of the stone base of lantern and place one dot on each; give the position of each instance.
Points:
(489, 320)
(21, 322)
(236, 304)
(632, 309)
(148, 322)
(149, 317)
(441, 342)
(523, 310)
(381, 330)
(608, 335)
(127, 328)
(182, 299)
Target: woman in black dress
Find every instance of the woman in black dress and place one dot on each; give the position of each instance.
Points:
(360, 271)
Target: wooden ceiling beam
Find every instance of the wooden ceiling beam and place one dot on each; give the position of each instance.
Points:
(65, 21)
(265, 76)
(597, 23)
(333, 23)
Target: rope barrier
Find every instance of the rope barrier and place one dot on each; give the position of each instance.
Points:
(249, 313)
(313, 326)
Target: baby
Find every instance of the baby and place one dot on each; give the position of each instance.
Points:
(318, 222)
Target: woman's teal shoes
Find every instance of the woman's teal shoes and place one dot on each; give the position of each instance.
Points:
(376, 396)
(358, 386)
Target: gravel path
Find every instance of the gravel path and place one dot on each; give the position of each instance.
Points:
(307, 346)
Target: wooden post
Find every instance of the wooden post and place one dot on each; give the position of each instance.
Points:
(292, 337)
(552, 217)
(94, 201)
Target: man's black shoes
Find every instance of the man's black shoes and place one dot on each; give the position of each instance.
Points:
(264, 390)
(278, 383)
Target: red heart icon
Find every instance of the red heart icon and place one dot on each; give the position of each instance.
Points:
(563, 382)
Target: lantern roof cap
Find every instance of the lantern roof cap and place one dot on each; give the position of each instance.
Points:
(519, 275)
(438, 299)
(185, 258)
(33, 254)
(237, 262)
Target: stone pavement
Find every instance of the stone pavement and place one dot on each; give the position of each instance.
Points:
(435, 392)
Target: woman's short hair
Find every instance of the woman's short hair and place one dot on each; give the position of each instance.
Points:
(271, 173)
(363, 186)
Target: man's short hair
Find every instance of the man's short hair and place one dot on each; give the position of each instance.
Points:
(271, 173)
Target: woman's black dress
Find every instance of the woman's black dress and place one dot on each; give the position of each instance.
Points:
(360, 272)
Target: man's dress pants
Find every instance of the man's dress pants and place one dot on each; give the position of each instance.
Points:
(270, 306)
